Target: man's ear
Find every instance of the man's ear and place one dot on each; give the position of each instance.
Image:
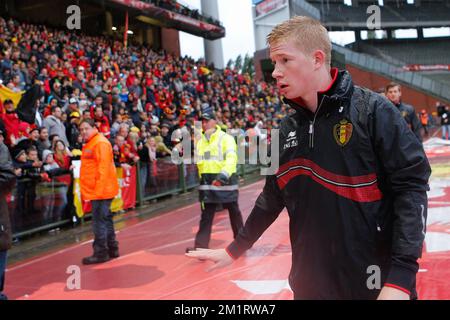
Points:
(319, 59)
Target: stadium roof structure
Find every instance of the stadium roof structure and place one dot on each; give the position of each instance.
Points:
(147, 12)
(338, 16)
(166, 14)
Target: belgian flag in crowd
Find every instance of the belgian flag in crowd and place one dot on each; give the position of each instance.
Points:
(24, 101)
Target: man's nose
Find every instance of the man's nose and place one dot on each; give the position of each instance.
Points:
(276, 73)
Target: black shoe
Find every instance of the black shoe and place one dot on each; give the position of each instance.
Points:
(3, 297)
(114, 253)
(95, 259)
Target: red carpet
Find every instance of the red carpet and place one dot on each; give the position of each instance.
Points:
(153, 265)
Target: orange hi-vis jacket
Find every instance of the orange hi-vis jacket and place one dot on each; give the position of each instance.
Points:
(98, 179)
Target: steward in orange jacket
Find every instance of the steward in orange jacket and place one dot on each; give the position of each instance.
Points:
(98, 183)
(98, 179)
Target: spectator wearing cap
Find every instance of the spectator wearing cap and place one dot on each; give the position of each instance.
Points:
(219, 182)
(72, 130)
(72, 106)
(165, 134)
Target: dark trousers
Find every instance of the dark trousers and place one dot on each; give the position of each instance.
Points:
(208, 210)
(103, 227)
(2, 272)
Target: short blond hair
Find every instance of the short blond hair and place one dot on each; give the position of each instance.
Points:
(309, 35)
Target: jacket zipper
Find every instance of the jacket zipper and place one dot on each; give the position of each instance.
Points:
(311, 126)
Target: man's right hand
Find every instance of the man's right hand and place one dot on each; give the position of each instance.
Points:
(219, 256)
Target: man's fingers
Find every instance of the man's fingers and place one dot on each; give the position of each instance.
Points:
(199, 255)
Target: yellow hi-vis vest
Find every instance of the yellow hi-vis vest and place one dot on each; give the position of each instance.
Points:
(217, 155)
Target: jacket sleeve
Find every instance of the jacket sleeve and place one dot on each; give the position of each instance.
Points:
(200, 161)
(406, 173)
(266, 210)
(57, 172)
(229, 151)
(7, 176)
(415, 124)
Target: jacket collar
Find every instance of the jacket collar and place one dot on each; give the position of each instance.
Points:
(338, 93)
(211, 137)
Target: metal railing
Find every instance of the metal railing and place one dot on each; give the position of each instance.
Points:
(301, 7)
(41, 206)
(439, 89)
(38, 206)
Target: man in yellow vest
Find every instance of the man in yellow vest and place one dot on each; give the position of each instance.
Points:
(219, 182)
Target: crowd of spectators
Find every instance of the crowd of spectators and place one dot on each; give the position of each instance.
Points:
(137, 96)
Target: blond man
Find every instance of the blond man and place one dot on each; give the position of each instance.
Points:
(353, 178)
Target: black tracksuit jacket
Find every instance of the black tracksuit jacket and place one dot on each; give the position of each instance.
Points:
(353, 178)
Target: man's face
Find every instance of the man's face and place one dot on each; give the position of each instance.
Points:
(120, 140)
(57, 113)
(87, 131)
(208, 124)
(164, 131)
(9, 107)
(394, 94)
(44, 134)
(293, 69)
(98, 113)
(33, 156)
(22, 158)
(73, 106)
(34, 135)
(49, 159)
(123, 131)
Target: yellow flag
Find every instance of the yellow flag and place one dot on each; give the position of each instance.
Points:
(117, 203)
(77, 198)
(205, 70)
(6, 93)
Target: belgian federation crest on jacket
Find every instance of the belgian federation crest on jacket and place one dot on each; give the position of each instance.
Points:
(217, 156)
(343, 132)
